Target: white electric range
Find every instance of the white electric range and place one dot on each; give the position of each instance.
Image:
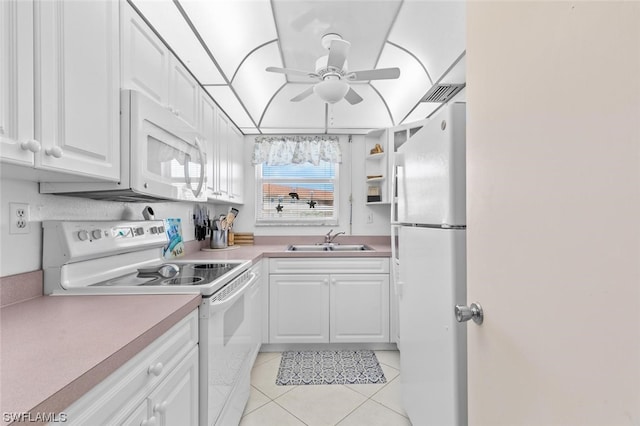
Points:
(125, 257)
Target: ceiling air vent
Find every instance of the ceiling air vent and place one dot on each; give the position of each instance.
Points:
(442, 92)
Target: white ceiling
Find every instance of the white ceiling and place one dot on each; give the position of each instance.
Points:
(227, 44)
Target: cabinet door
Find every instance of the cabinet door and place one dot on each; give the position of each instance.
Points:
(78, 87)
(207, 128)
(16, 82)
(236, 165)
(221, 160)
(140, 416)
(175, 400)
(359, 308)
(145, 59)
(184, 93)
(299, 308)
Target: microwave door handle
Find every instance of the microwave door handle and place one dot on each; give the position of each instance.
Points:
(187, 177)
(203, 167)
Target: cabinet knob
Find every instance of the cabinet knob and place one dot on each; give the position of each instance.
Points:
(155, 369)
(161, 407)
(54, 151)
(31, 145)
(1, 130)
(151, 421)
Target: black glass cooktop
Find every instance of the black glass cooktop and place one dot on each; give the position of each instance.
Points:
(187, 274)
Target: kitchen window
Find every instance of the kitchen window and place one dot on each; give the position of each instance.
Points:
(297, 180)
(297, 194)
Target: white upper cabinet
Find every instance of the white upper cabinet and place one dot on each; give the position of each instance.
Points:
(77, 79)
(184, 93)
(145, 59)
(17, 144)
(60, 87)
(148, 66)
(207, 121)
(236, 165)
(221, 157)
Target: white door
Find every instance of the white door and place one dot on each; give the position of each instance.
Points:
(553, 185)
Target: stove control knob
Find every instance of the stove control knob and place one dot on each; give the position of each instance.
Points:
(96, 234)
(83, 235)
(139, 231)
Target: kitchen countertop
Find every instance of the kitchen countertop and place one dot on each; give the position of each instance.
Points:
(278, 249)
(56, 348)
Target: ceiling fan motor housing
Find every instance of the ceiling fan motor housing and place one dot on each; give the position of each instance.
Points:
(323, 70)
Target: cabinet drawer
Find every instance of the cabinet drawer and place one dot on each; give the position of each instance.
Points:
(120, 393)
(329, 265)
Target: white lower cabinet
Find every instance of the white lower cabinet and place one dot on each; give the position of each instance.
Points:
(175, 401)
(359, 308)
(299, 308)
(159, 386)
(345, 304)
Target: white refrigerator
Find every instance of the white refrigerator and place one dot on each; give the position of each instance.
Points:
(431, 277)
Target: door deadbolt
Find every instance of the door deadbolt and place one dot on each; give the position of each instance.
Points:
(474, 312)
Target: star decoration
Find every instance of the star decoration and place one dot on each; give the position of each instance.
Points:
(279, 208)
(312, 204)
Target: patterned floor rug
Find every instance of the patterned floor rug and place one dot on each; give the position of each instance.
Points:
(329, 368)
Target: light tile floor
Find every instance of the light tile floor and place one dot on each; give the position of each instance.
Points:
(324, 405)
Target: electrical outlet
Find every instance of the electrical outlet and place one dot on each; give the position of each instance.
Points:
(19, 218)
(370, 217)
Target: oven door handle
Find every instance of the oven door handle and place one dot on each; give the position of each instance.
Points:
(221, 305)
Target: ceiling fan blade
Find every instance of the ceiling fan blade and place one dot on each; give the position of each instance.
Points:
(303, 95)
(338, 51)
(293, 72)
(352, 97)
(379, 74)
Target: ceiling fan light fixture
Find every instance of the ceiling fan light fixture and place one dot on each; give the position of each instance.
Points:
(331, 90)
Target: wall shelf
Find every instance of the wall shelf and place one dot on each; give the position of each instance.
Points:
(376, 168)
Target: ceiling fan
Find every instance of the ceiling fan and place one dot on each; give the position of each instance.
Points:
(332, 73)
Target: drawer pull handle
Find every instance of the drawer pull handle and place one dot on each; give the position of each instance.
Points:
(156, 369)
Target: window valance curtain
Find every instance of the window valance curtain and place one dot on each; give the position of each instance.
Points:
(278, 151)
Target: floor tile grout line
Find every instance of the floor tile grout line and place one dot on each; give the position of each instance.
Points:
(284, 408)
(383, 404)
(352, 411)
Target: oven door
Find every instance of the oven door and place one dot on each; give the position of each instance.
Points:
(226, 352)
(168, 158)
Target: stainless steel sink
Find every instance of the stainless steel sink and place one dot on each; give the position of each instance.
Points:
(308, 247)
(351, 247)
(329, 247)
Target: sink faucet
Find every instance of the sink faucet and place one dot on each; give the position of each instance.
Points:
(328, 238)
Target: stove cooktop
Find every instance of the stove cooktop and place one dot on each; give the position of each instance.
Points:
(189, 274)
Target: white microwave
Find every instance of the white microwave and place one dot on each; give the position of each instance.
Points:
(161, 156)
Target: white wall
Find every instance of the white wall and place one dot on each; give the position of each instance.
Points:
(352, 181)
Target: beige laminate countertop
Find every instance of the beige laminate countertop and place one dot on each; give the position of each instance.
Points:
(54, 349)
